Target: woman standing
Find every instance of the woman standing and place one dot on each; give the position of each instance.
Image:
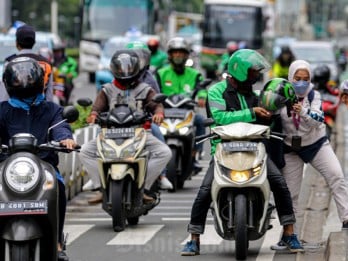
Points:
(306, 142)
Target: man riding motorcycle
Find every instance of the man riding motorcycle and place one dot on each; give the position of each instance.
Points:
(126, 87)
(179, 79)
(233, 100)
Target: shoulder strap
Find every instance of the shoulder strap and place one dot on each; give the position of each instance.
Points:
(310, 96)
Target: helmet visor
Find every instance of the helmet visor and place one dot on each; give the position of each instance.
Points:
(125, 66)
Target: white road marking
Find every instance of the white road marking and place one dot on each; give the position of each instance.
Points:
(74, 231)
(138, 235)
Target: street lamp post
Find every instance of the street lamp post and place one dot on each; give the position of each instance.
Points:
(54, 17)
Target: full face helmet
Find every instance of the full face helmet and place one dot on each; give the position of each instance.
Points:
(244, 60)
(23, 78)
(276, 94)
(181, 45)
(125, 67)
(142, 51)
(321, 75)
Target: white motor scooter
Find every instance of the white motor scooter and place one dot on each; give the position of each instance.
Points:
(240, 189)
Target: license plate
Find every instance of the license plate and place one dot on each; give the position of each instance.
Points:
(23, 207)
(119, 133)
(236, 146)
(175, 113)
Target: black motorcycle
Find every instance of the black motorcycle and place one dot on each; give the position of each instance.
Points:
(29, 198)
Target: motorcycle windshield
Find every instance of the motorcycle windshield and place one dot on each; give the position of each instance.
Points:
(242, 131)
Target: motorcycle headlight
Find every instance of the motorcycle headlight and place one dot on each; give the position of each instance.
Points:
(185, 122)
(22, 174)
(132, 148)
(240, 176)
(107, 150)
(184, 130)
(163, 130)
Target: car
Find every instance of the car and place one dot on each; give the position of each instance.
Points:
(316, 53)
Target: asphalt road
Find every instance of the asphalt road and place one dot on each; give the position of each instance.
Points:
(160, 235)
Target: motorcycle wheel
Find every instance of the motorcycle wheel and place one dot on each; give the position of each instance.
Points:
(241, 232)
(172, 166)
(19, 251)
(118, 211)
(133, 221)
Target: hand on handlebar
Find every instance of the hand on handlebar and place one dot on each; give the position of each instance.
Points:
(158, 118)
(69, 144)
(262, 113)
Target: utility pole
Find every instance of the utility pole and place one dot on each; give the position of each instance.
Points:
(54, 17)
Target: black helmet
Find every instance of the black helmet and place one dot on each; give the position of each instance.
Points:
(125, 66)
(321, 75)
(23, 77)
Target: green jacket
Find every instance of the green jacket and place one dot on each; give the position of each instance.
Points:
(158, 59)
(226, 105)
(172, 83)
(68, 66)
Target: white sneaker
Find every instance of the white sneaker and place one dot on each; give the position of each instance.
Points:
(165, 183)
(88, 186)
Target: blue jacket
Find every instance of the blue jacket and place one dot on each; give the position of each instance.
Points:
(35, 121)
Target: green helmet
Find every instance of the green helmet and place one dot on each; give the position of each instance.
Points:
(142, 51)
(243, 60)
(276, 94)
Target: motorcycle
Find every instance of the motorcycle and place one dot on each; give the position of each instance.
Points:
(240, 189)
(330, 103)
(122, 163)
(179, 132)
(29, 198)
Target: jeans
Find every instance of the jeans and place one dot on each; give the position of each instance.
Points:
(203, 199)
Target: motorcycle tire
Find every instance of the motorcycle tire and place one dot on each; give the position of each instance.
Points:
(19, 251)
(241, 231)
(118, 211)
(172, 167)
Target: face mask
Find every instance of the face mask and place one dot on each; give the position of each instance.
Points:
(300, 87)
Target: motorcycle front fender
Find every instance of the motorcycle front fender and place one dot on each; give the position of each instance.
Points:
(21, 229)
(119, 171)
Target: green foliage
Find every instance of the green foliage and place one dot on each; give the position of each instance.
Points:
(194, 6)
(38, 14)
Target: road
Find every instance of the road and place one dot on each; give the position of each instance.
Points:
(161, 234)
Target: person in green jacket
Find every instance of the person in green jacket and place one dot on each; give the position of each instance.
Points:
(180, 79)
(66, 66)
(231, 47)
(281, 65)
(233, 100)
(158, 57)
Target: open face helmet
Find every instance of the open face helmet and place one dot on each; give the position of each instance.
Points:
(244, 60)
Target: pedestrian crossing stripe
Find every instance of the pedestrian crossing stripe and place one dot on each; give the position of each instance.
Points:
(75, 231)
(138, 235)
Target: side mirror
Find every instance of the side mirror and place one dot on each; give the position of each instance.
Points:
(84, 102)
(159, 98)
(70, 113)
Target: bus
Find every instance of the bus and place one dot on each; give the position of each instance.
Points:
(103, 19)
(241, 21)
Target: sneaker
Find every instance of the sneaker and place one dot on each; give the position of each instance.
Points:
(292, 243)
(165, 183)
(88, 186)
(190, 249)
(279, 246)
(98, 198)
(62, 256)
(345, 224)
